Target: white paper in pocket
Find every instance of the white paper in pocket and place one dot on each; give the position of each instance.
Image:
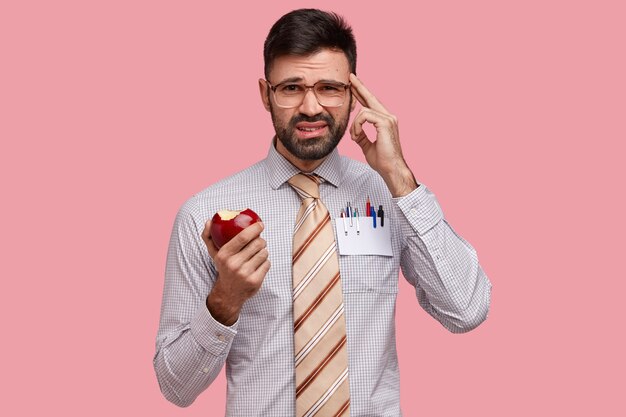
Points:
(369, 240)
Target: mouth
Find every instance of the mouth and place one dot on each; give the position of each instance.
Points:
(308, 130)
(310, 127)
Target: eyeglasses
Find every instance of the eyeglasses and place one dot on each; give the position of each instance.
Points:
(328, 94)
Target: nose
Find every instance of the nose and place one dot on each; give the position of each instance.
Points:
(309, 105)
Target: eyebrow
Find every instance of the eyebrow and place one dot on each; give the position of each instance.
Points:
(300, 79)
(291, 80)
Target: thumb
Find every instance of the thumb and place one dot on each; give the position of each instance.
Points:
(208, 241)
(362, 140)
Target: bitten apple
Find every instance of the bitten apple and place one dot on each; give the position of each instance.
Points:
(226, 224)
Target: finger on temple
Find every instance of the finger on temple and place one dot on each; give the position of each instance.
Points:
(365, 97)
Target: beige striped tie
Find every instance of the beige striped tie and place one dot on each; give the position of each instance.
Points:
(319, 326)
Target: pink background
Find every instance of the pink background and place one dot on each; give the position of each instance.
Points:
(113, 113)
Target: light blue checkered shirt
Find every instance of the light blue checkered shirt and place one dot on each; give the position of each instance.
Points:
(192, 348)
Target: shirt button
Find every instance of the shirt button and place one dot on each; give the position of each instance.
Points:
(221, 337)
(205, 370)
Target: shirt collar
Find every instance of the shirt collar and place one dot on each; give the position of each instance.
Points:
(280, 169)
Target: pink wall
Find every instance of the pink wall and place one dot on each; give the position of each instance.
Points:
(112, 114)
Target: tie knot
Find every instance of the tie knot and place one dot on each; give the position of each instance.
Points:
(306, 185)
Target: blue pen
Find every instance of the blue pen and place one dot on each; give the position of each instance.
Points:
(373, 214)
(351, 213)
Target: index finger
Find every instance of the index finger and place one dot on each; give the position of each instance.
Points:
(236, 244)
(365, 97)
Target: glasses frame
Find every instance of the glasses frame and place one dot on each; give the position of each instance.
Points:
(306, 90)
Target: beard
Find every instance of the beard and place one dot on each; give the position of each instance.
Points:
(313, 148)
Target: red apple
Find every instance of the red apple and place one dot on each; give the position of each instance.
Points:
(226, 224)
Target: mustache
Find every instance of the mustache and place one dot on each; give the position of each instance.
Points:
(317, 118)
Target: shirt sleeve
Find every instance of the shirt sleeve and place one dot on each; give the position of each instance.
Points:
(191, 346)
(443, 267)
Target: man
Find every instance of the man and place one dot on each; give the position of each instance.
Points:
(334, 354)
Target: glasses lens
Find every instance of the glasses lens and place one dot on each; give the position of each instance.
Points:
(289, 95)
(330, 94)
(327, 94)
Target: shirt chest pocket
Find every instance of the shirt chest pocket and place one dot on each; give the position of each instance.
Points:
(368, 273)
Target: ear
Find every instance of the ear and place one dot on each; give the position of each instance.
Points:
(352, 102)
(264, 91)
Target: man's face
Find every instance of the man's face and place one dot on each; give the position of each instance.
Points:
(310, 131)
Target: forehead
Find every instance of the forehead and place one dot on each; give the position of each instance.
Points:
(326, 64)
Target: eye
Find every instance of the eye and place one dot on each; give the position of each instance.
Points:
(290, 88)
(329, 89)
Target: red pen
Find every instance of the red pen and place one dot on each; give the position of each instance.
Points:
(367, 207)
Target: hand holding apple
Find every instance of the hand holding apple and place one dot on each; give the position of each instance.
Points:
(241, 263)
(226, 224)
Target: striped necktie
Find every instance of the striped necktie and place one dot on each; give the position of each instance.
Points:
(321, 360)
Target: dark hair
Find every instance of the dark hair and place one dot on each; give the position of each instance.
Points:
(307, 31)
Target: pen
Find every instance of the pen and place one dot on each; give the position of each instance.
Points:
(350, 212)
(343, 216)
(356, 214)
(381, 214)
(367, 207)
(373, 214)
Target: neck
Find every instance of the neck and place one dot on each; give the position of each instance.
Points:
(303, 165)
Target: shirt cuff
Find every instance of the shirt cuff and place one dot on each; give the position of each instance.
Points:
(421, 209)
(211, 334)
